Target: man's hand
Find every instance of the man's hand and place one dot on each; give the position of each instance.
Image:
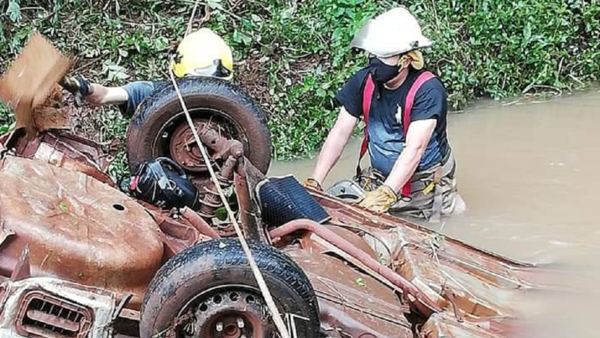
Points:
(312, 183)
(379, 200)
(78, 86)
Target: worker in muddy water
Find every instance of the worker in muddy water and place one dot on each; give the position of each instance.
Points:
(404, 109)
(201, 53)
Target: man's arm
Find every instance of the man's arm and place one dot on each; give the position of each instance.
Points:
(334, 144)
(417, 138)
(93, 93)
(101, 95)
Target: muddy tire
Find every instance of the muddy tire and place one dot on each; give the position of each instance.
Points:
(188, 285)
(207, 99)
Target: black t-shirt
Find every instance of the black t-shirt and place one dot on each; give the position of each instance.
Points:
(386, 135)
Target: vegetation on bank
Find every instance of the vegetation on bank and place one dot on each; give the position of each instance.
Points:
(292, 56)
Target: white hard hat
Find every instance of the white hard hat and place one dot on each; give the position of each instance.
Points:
(394, 32)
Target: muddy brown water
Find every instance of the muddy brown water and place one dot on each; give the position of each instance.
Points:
(529, 174)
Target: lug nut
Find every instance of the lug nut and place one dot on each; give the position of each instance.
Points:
(219, 326)
(240, 323)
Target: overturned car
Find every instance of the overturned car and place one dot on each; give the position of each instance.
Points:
(81, 258)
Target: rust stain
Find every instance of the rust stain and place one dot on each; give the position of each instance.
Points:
(88, 221)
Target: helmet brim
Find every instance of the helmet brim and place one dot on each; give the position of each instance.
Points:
(381, 39)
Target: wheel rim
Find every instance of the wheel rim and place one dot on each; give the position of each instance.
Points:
(175, 135)
(183, 148)
(232, 314)
(226, 312)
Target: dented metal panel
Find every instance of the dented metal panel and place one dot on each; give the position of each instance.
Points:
(64, 150)
(77, 228)
(478, 291)
(351, 302)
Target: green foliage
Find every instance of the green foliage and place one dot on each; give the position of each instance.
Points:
(497, 48)
(114, 72)
(6, 118)
(292, 56)
(14, 10)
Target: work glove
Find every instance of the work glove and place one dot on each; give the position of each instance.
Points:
(379, 200)
(78, 86)
(312, 183)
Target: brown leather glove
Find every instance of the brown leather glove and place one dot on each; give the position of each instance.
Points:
(379, 200)
(312, 183)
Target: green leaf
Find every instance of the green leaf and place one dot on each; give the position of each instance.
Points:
(527, 32)
(221, 214)
(14, 10)
(214, 4)
(113, 71)
(240, 37)
(288, 13)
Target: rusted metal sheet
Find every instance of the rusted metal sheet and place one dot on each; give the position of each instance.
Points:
(251, 224)
(22, 269)
(352, 303)
(176, 236)
(468, 284)
(200, 224)
(64, 150)
(415, 295)
(441, 325)
(73, 224)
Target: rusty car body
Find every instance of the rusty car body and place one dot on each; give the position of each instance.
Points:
(76, 256)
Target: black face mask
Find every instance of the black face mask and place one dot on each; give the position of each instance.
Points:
(381, 72)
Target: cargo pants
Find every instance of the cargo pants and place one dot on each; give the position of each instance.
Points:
(434, 192)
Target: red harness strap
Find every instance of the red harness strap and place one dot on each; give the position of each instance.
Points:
(367, 97)
(367, 94)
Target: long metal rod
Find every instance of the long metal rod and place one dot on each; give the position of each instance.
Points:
(420, 300)
(279, 323)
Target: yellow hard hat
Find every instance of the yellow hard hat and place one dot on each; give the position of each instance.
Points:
(203, 53)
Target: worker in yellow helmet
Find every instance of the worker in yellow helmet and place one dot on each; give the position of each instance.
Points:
(201, 53)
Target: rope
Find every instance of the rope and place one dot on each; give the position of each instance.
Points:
(255, 270)
(190, 23)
